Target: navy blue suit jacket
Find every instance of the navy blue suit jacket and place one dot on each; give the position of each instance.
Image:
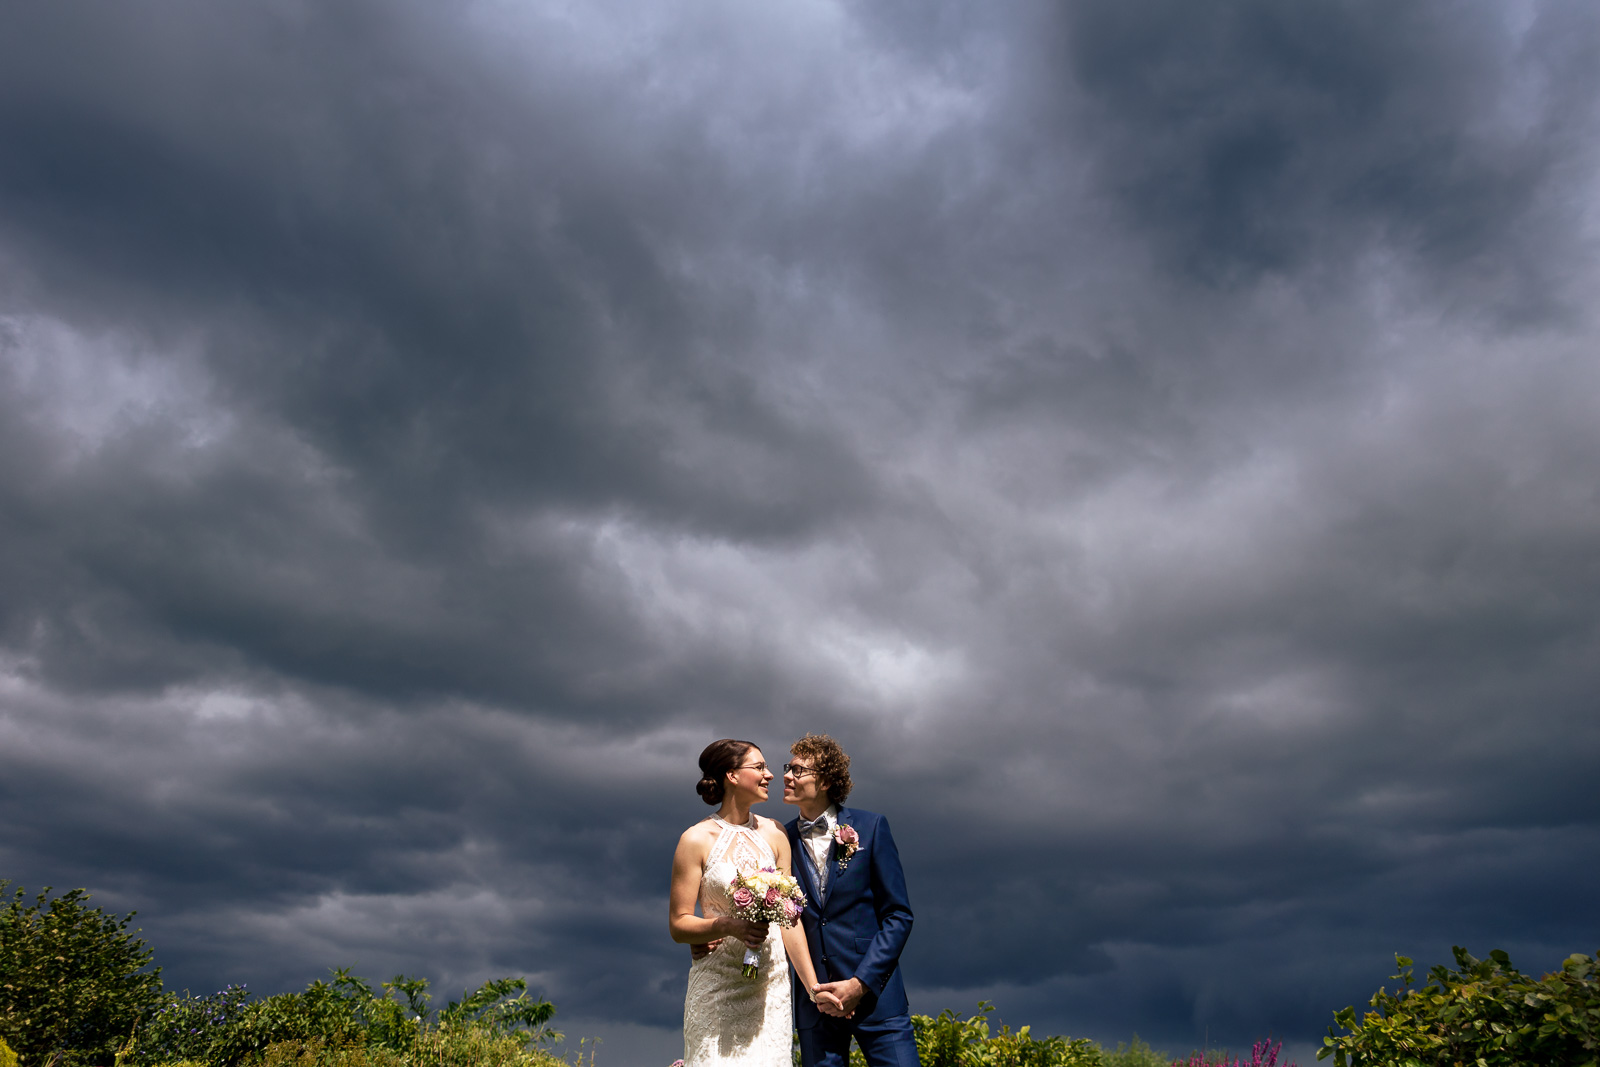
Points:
(860, 924)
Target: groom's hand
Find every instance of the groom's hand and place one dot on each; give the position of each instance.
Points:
(847, 993)
(700, 952)
(828, 1003)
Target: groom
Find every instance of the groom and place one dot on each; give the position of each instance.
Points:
(857, 917)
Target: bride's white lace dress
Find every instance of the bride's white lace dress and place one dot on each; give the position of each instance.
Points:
(730, 1020)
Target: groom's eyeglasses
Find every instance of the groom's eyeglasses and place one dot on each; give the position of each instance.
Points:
(797, 770)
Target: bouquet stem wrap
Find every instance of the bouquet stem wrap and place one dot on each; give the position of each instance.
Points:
(765, 896)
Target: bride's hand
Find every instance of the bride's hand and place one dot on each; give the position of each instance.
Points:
(752, 934)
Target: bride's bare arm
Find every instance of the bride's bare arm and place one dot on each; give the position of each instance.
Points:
(794, 937)
(685, 926)
(794, 944)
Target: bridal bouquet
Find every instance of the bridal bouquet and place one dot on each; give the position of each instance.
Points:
(765, 896)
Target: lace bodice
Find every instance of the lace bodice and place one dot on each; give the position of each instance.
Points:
(737, 848)
(730, 1020)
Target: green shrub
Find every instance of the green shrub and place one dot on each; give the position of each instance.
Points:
(470, 1045)
(501, 1008)
(342, 1018)
(326, 1012)
(1485, 1014)
(72, 979)
(475, 1046)
(1135, 1053)
(319, 1053)
(948, 1041)
(8, 1058)
(184, 1028)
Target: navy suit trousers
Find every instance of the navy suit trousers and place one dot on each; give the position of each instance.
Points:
(885, 1043)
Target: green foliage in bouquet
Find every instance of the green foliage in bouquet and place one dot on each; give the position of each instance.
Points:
(949, 1041)
(1485, 1014)
(73, 980)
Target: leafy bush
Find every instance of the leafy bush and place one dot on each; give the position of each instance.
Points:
(227, 1027)
(343, 1019)
(1486, 1013)
(469, 1046)
(72, 978)
(184, 1028)
(1135, 1053)
(8, 1058)
(476, 1046)
(501, 1008)
(948, 1041)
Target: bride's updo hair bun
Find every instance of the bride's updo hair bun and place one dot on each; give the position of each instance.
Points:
(716, 761)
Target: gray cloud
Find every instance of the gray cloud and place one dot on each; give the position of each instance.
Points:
(1158, 443)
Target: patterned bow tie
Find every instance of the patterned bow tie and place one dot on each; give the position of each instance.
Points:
(813, 826)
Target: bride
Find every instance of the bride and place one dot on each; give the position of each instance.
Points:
(730, 1020)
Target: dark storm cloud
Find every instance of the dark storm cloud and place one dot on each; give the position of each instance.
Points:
(450, 281)
(1237, 134)
(1157, 440)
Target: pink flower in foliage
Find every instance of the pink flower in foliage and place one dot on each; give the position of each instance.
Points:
(1265, 1054)
(848, 835)
(791, 910)
(743, 898)
(1262, 1054)
(773, 896)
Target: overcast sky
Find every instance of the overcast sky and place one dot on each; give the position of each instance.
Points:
(1160, 440)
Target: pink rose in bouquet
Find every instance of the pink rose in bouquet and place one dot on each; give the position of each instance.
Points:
(743, 898)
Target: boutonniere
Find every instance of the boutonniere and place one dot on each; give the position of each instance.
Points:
(848, 841)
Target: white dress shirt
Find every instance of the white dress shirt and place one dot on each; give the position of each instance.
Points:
(818, 841)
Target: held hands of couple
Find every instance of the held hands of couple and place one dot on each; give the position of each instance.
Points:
(846, 995)
(838, 999)
(826, 998)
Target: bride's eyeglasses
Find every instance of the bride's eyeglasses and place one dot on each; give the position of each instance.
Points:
(762, 767)
(797, 770)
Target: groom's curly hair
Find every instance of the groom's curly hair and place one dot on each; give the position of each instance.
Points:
(832, 765)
